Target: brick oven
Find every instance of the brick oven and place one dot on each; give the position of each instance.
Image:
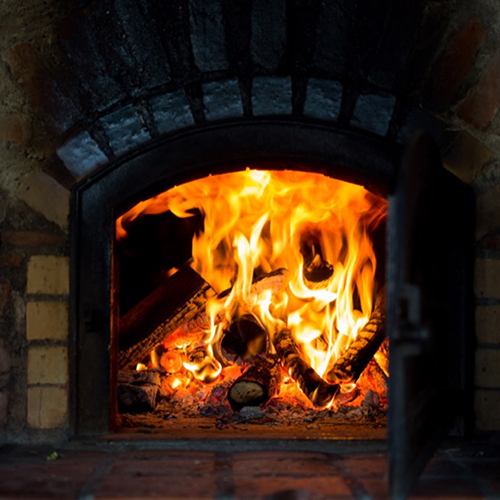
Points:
(109, 101)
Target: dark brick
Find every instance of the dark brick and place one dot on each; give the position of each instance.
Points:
(86, 63)
(333, 38)
(453, 65)
(16, 128)
(4, 295)
(5, 359)
(32, 238)
(302, 19)
(4, 407)
(81, 154)
(143, 42)
(323, 99)
(124, 129)
(171, 111)
(222, 99)
(207, 35)
(428, 42)
(290, 487)
(369, 18)
(272, 96)
(51, 105)
(482, 103)
(398, 37)
(11, 260)
(373, 113)
(180, 486)
(238, 28)
(268, 43)
(172, 24)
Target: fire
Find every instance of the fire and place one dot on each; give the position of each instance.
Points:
(257, 221)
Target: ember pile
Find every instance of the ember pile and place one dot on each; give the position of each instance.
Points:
(279, 301)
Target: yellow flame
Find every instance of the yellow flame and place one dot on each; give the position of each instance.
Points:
(257, 221)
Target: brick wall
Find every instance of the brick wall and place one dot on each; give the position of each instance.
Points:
(86, 82)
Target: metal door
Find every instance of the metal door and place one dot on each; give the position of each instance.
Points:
(430, 235)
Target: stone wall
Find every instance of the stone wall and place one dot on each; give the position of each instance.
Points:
(85, 82)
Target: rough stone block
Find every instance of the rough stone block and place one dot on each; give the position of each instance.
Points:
(482, 103)
(454, 64)
(222, 99)
(373, 113)
(466, 156)
(17, 129)
(272, 96)
(486, 405)
(47, 365)
(48, 274)
(171, 111)
(47, 407)
(323, 99)
(207, 35)
(46, 320)
(5, 290)
(332, 39)
(143, 43)
(81, 155)
(41, 89)
(4, 407)
(125, 129)
(487, 278)
(488, 212)
(487, 363)
(46, 196)
(88, 66)
(418, 119)
(268, 42)
(488, 324)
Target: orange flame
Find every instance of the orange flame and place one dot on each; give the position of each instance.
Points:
(257, 221)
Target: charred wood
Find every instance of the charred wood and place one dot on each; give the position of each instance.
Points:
(351, 364)
(320, 392)
(179, 300)
(245, 337)
(257, 385)
(137, 391)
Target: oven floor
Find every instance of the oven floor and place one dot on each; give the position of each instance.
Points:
(207, 470)
(247, 426)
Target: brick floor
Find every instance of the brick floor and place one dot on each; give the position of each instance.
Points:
(113, 472)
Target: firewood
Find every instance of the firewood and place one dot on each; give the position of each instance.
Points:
(320, 392)
(137, 391)
(183, 296)
(182, 312)
(259, 383)
(351, 364)
(245, 337)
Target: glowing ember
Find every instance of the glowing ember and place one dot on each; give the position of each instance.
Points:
(255, 222)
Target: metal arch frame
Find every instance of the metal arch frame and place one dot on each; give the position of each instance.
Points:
(195, 152)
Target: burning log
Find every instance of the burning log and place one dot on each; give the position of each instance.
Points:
(257, 385)
(137, 391)
(245, 337)
(349, 367)
(182, 309)
(320, 392)
(178, 302)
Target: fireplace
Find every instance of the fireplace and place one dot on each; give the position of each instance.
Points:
(428, 275)
(119, 101)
